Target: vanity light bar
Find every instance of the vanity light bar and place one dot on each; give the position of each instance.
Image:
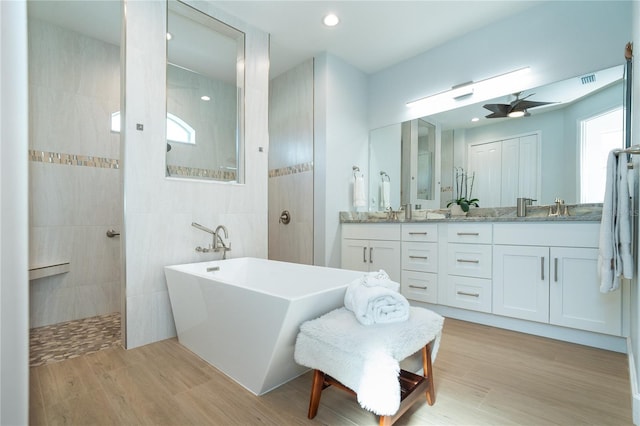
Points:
(487, 89)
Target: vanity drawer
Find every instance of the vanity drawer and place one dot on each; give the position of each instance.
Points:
(469, 293)
(420, 232)
(469, 260)
(475, 233)
(421, 257)
(420, 286)
(378, 231)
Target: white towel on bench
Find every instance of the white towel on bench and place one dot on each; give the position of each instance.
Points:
(366, 359)
(376, 304)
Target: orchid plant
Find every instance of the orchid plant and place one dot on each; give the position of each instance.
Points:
(464, 190)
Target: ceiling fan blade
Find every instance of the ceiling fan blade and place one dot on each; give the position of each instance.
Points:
(532, 104)
(498, 108)
(496, 115)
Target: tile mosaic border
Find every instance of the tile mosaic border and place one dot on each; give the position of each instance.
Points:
(291, 170)
(194, 172)
(73, 159)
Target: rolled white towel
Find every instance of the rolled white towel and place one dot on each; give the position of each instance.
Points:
(376, 305)
(379, 279)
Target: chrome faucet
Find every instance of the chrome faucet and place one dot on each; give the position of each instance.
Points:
(561, 208)
(216, 237)
(217, 240)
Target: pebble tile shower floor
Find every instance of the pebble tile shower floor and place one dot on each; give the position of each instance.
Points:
(57, 342)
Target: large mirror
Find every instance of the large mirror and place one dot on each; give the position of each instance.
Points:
(205, 96)
(541, 155)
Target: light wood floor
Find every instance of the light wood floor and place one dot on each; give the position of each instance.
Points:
(483, 376)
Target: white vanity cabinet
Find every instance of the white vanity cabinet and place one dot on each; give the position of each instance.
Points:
(468, 266)
(420, 262)
(371, 247)
(548, 273)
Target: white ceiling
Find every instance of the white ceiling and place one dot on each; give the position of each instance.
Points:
(372, 35)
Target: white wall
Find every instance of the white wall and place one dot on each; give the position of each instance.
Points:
(557, 40)
(340, 141)
(14, 285)
(159, 211)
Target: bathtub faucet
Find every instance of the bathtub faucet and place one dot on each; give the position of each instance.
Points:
(218, 241)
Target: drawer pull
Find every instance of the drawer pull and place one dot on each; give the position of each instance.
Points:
(417, 233)
(468, 233)
(418, 257)
(464, 293)
(418, 287)
(468, 260)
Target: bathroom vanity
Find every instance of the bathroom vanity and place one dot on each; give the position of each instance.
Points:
(535, 274)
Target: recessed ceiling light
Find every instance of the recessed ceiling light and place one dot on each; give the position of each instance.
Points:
(331, 20)
(169, 36)
(205, 98)
(474, 119)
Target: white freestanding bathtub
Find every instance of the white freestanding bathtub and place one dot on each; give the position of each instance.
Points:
(243, 318)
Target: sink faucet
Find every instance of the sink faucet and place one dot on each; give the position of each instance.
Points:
(561, 208)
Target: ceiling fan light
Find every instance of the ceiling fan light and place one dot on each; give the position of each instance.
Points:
(515, 114)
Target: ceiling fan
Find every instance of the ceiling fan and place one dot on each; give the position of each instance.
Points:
(517, 108)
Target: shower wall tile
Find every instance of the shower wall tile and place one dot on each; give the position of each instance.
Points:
(291, 117)
(291, 165)
(291, 242)
(74, 199)
(61, 58)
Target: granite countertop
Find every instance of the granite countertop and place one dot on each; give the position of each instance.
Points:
(577, 213)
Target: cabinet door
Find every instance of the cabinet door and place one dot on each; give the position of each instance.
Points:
(385, 255)
(355, 255)
(575, 298)
(521, 282)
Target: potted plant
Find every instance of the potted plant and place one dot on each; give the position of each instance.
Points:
(463, 195)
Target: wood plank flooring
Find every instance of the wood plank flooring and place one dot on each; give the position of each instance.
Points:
(483, 376)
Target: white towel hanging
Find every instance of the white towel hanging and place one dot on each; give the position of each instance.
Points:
(615, 260)
(359, 198)
(385, 195)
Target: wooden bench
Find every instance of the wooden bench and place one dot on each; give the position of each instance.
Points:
(411, 387)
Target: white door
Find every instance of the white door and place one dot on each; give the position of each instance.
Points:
(575, 298)
(510, 172)
(529, 167)
(485, 161)
(521, 282)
